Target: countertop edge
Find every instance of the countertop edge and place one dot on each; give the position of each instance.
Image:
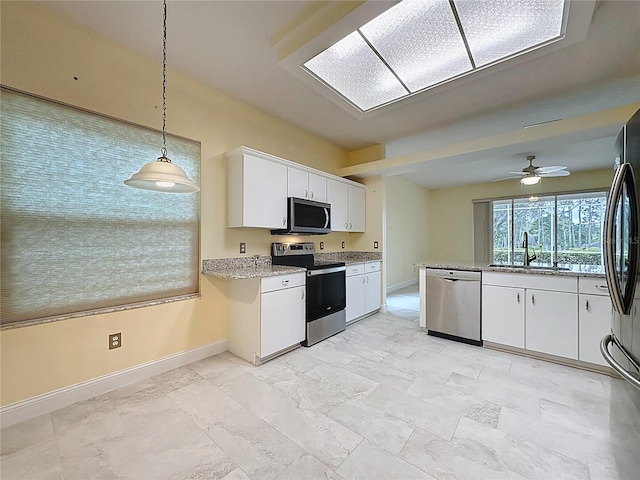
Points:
(527, 271)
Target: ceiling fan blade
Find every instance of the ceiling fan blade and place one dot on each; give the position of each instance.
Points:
(550, 169)
(522, 174)
(557, 173)
(505, 178)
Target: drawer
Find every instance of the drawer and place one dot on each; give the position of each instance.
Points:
(280, 282)
(355, 269)
(372, 267)
(594, 286)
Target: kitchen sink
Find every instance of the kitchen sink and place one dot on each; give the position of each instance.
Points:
(533, 267)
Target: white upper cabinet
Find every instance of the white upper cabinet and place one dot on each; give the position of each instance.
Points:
(258, 185)
(317, 187)
(257, 192)
(303, 184)
(347, 206)
(356, 208)
(337, 197)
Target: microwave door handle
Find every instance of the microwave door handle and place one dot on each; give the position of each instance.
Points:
(609, 239)
(326, 217)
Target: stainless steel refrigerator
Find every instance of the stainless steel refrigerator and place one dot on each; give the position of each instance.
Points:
(621, 247)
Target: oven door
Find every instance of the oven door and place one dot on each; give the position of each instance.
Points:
(326, 292)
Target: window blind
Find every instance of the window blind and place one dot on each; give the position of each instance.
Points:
(74, 238)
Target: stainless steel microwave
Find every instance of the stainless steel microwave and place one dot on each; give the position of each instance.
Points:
(306, 217)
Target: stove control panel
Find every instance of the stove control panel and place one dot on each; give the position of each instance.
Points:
(282, 249)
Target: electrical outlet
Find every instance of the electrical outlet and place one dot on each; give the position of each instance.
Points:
(321, 245)
(243, 247)
(343, 244)
(375, 244)
(115, 340)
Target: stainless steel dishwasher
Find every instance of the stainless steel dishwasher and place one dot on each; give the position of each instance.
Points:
(453, 305)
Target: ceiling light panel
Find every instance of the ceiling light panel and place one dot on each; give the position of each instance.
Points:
(420, 41)
(501, 28)
(354, 70)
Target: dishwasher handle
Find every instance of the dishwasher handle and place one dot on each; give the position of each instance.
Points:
(454, 275)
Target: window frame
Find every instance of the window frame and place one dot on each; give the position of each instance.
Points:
(512, 198)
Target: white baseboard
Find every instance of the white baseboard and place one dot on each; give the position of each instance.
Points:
(63, 397)
(399, 286)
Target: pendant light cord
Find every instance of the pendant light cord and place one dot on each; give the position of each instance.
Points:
(164, 82)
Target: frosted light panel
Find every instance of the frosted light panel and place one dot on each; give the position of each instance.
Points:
(420, 41)
(356, 72)
(502, 28)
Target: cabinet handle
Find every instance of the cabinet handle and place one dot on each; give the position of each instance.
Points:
(311, 193)
(284, 221)
(346, 226)
(285, 283)
(362, 280)
(586, 305)
(350, 226)
(355, 270)
(602, 287)
(533, 300)
(518, 297)
(367, 278)
(302, 291)
(306, 194)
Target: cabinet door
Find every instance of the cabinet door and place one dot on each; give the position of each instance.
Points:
(317, 188)
(356, 208)
(503, 315)
(372, 293)
(337, 197)
(282, 322)
(594, 323)
(264, 193)
(551, 320)
(355, 297)
(297, 183)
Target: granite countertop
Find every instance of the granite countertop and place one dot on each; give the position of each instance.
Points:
(572, 270)
(349, 258)
(241, 268)
(258, 266)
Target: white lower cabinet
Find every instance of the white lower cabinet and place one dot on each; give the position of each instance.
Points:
(594, 318)
(551, 320)
(364, 289)
(535, 312)
(265, 316)
(503, 315)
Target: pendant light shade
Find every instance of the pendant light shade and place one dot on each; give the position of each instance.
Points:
(162, 175)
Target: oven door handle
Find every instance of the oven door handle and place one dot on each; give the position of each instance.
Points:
(313, 273)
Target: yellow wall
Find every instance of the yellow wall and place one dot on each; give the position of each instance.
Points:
(406, 229)
(41, 53)
(451, 223)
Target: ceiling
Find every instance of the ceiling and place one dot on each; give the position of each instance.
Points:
(230, 45)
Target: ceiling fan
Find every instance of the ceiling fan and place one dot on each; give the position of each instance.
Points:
(531, 174)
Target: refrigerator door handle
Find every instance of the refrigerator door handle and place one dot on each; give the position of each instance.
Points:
(621, 300)
(604, 349)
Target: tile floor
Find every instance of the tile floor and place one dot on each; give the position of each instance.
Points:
(381, 400)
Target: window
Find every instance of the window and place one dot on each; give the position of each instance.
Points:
(75, 239)
(562, 230)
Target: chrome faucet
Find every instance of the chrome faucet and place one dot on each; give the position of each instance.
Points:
(527, 258)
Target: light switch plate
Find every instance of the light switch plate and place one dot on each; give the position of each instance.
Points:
(375, 244)
(343, 244)
(321, 245)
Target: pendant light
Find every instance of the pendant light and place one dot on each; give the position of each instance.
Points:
(162, 175)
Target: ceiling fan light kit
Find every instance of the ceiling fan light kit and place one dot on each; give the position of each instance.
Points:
(531, 180)
(531, 174)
